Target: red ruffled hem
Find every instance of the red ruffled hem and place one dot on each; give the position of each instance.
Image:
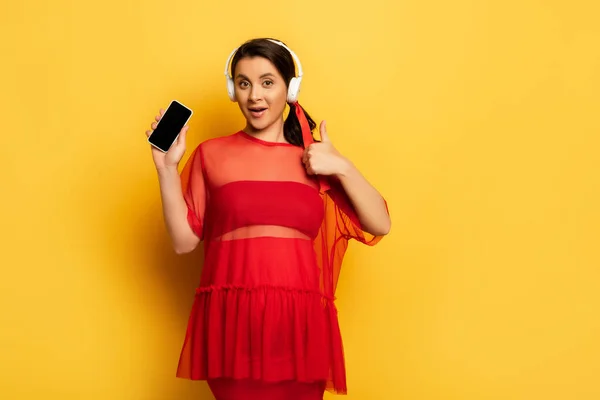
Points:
(264, 333)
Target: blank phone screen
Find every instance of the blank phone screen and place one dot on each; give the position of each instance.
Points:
(170, 125)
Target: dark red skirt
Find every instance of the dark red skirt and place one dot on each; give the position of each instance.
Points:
(245, 389)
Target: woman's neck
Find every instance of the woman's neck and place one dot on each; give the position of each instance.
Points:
(271, 133)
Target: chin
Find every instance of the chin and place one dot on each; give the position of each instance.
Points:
(259, 125)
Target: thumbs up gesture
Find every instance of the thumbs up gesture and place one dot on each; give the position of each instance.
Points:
(321, 158)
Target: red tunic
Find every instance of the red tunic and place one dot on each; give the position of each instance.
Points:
(273, 246)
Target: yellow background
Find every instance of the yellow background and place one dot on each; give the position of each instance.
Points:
(478, 121)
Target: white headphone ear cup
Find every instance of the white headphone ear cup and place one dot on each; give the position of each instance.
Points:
(294, 90)
(230, 89)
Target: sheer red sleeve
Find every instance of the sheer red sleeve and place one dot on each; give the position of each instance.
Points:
(194, 190)
(340, 225)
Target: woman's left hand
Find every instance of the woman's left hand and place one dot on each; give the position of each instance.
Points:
(321, 158)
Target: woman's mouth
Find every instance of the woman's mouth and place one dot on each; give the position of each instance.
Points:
(257, 112)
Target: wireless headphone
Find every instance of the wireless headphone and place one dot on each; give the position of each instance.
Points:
(293, 86)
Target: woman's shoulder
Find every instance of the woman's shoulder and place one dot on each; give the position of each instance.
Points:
(214, 143)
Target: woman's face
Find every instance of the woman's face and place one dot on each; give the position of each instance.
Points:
(261, 92)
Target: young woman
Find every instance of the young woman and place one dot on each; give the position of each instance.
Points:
(275, 210)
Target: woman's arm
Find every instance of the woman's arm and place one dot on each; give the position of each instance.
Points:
(175, 211)
(369, 205)
(174, 207)
(322, 158)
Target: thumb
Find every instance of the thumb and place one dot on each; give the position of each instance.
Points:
(183, 133)
(323, 132)
(182, 136)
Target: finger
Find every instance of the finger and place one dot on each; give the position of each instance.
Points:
(180, 142)
(148, 133)
(153, 125)
(182, 135)
(323, 132)
(307, 157)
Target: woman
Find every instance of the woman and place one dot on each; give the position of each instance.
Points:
(275, 210)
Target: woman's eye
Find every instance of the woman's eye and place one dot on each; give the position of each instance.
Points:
(268, 83)
(243, 84)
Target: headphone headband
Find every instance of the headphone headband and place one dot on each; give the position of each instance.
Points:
(296, 59)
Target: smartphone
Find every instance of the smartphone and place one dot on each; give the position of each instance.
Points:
(168, 128)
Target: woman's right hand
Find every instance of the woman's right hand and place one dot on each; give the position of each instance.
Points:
(171, 158)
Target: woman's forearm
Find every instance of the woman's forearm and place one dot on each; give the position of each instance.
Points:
(175, 211)
(369, 204)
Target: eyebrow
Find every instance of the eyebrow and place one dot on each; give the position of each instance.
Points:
(262, 76)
